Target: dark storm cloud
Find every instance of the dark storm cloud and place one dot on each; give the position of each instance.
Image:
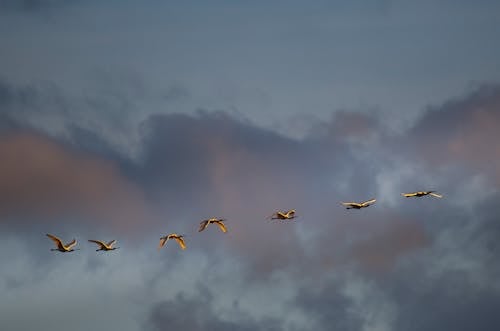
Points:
(450, 282)
(327, 307)
(198, 312)
(452, 285)
(213, 164)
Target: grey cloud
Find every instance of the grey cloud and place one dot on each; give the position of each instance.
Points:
(198, 312)
(461, 132)
(327, 307)
(194, 166)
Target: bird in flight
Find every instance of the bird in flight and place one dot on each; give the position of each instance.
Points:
(104, 246)
(282, 215)
(218, 222)
(359, 205)
(177, 237)
(60, 246)
(421, 194)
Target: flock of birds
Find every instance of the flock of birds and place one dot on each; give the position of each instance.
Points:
(279, 215)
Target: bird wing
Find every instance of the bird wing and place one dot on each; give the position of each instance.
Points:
(369, 202)
(181, 242)
(56, 240)
(100, 243)
(111, 243)
(71, 244)
(221, 226)
(163, 240)
(351, 204)
(203, 225)
(436, 195)
(407, 195)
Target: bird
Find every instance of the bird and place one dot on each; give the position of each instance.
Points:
(421, 194)
(358, 205)
(219, 222)
(177, 237)
(60, 246)
(282, 215)
(104, 246)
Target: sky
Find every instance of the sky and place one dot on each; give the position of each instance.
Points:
(130, 120)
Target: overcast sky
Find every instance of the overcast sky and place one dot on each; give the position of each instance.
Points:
(129, 120)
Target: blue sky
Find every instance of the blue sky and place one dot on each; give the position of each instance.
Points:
(129, 120)
(270, 61)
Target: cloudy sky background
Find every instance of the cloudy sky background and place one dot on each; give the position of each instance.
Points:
(128, 120)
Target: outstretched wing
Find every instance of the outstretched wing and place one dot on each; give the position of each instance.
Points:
(56, 240)
(99, 243)
(111, 243)
(181, 242)
(71, 244)
(280, 215)
(369, 202)
(221, 226)
(436, 195)
(163, 240)
(203, 225)
(408, 195)
(352, 204)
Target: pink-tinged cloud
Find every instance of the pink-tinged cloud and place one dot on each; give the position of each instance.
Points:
(249, 187)
(346, 126)
(393, 239)
(464, 132)
(373, 241)
(42, 179)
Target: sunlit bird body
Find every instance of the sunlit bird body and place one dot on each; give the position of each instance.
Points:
(60, 246)
(421, 194)
(358, 205)
(104, 246)
(282, 215)
(218, 222)
(177, 237)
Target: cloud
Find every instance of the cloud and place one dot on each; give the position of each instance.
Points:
(333, 266)
(388, 241)
(196, 313)
(462, 132)
(42, 179)
(211, 164)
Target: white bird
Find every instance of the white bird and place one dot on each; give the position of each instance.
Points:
(421, 194)
(60, 246)
(282, 215)
(358, 205)
(177, 237)
(104, 246)
(218, 222)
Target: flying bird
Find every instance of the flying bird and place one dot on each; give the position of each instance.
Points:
(177, 237)
(60, 246)
(358, 205)
(218, 222)
(104, 246)
(421, 194)
(282, 215)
